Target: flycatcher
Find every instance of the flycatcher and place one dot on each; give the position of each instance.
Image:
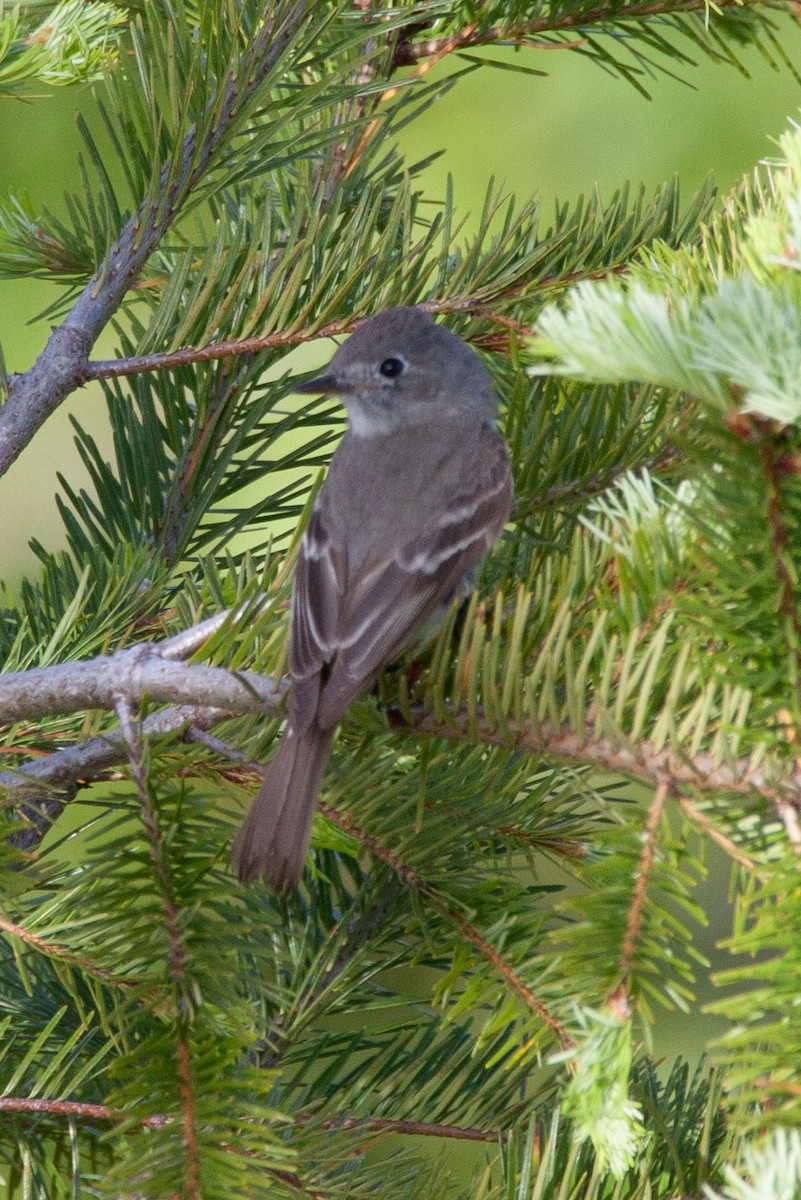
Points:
(417, 491)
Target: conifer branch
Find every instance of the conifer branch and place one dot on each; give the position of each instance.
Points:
(140, 364)
(116, 368)
(589, 674)
(638, 760)
(103, 1112)
(43, 787)
(177, 957)
(61, 366)
(504, 969)
(579, 489)
(360, 929)
(459, 1133)
(165, 360)
(469, 931)
(448, 45)
(788, 814)
(627, 951)
(780, 541)
(147, 671)
(76, 1108)
(54, 950)
(174, 516)
(770, 457)
(716, 835)
(407, 53)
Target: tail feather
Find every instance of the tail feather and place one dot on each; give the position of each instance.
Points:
(274, 838)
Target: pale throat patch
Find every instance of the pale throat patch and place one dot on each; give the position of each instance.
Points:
(367, 423)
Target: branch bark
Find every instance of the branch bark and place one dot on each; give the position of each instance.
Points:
(138, 674)
(149, 669)
(637, 907)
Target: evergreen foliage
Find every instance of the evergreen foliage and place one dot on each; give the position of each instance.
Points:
(492, 916)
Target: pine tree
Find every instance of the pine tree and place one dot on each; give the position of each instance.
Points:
(169, 1033)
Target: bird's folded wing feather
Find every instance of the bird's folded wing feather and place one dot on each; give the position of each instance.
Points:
(355, 626)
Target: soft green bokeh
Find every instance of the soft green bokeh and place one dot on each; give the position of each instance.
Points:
(580, 127)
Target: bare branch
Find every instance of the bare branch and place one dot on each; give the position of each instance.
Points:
(148, 671)
(55, 779)
(138, 673)
(61, 366)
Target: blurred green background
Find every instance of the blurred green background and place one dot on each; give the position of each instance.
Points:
(557, 136)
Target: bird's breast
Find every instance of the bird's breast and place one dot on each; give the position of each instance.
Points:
(382, 491)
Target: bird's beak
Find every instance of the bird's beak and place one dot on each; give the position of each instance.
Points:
(322, 385)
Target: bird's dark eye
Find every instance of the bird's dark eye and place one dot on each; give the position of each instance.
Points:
(391, 368)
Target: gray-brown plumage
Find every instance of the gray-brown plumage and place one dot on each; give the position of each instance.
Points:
(418, 490)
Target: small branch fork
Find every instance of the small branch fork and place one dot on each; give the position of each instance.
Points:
(154, 672)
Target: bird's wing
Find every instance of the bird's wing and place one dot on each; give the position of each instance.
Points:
(358, 628)
(317, 596)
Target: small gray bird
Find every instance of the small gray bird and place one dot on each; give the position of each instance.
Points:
(417, 491)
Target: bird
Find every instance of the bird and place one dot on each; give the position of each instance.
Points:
(418, 490)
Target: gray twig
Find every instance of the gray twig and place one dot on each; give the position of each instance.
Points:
(138, 673)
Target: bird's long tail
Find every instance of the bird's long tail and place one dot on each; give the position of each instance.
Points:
(274, 837)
